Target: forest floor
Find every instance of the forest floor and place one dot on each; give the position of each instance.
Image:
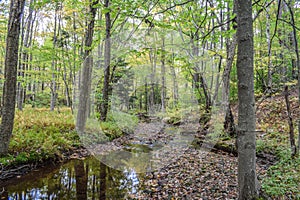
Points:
(214, 175)
(189, 171)
(192, 172)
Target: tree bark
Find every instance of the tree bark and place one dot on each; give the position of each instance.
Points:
(10, 73)
(163, 77)
(295, 43)
(107, 56)
(85, 82)
(229, 125)
(53, 86)
(290, 121)
(25, 56)
(270, 65)
(247, 180)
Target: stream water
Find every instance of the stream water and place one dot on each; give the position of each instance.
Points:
(121, 176)
(76, 179)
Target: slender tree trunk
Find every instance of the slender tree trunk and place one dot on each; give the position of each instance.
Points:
(174, 77)
(229, 125)
(10, 73)
(85, 82)
(107, 57)
(247, 180)
(163, 77)
(25, 56)
(153, 78)
(53, 65)
(295, 43)
(290, 121)
(270, 64)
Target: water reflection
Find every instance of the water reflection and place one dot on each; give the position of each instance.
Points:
(77, 179)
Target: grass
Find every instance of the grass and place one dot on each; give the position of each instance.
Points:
(40, 135)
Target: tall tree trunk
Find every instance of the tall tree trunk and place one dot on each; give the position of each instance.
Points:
(290, 121)
(10, 73)
(163, 77)
(229, 125)
(107, 56)
(229, 120)
(295, 43)
(53, 65)
(85, 82)
(153, 78)
(247, 180)
(270, 65)
(173, 74)
(23, 65)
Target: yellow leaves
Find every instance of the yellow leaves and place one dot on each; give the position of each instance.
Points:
(292, 83)
(178, 8)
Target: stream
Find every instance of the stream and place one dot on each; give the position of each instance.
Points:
(77, 179)
(125, 165)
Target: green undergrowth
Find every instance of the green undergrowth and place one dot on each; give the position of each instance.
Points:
(118, 124)
(282, 181)
(40, 135)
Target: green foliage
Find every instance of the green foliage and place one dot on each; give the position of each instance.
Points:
(119, 123)
(40, 100)
(111, 130)
(283, 179)
(40, 134)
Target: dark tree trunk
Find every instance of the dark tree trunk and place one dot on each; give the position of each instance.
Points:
(10, 73)
(247, 180)
(107, 55)
(290, 121)
(163, 77)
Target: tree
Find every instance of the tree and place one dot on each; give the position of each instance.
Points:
(10, 73)
(107, 57)
(85, 84)
(247, 180)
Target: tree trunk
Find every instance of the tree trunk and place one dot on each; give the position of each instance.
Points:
(290, 121)
(173, 74)
(229, 125)
(85, 81)
(53, 64)
(10, 74)
(163, 77)
(107, 56)
(295, 43)
(270, 65)
(25, 56)
(247, 180)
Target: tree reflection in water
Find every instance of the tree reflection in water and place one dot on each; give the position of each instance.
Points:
(77, 179)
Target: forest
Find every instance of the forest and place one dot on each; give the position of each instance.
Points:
(138, 99)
